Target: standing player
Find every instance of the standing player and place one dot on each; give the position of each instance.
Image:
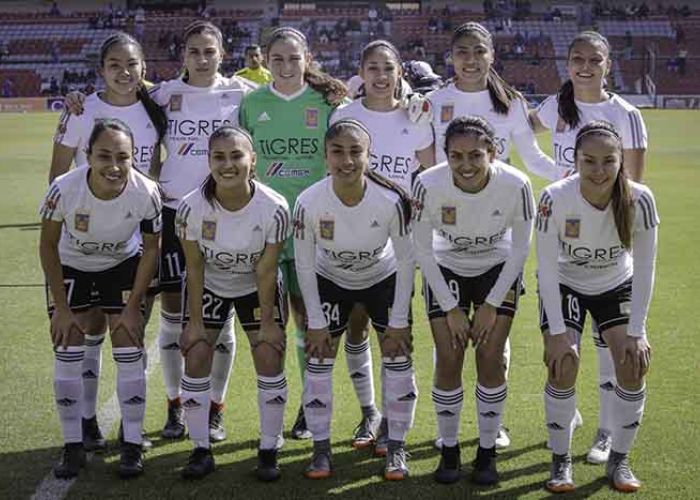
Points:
(288, 119)
(352, 243)
(583, 98)
(379, 108)
(596, 252)
(254, 70)
(468, 260)
(478, 90)
(232, 231)
(122, 66)
(94, 220)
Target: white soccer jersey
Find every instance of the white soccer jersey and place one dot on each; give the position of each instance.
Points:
(584, 241)
(233, 242)
(99, 234)
(193, 114)
(351, 245)
(626, 118)
(469, 233)
(449, 103)
(74, 130)
(395, 139)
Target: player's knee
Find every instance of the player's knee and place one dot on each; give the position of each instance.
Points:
(268, 361)
(448, 372)
(198, 360)
(490, 366)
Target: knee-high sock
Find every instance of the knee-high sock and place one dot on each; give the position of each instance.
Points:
(559, 410)
(272, 399)
(359, 358)
(92, 365)
(195, 400)
(448, 407)
(131, 390)
(606, 381)
(490, 403)
(318, 397)
(506, 357)
(170, 357)
(401, 396)
(68, 389)
(299, 339)
(627, 417)
(222, 362)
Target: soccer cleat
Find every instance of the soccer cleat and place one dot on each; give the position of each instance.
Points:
(299, 429)
(130, 461)
(502, 438)
(561, 476)
(396, 468)
(93, 440)
(448, 470)
(366, 432)
(600, 449)
(217, 433)
(321, 466)
(484, 472)
(381, 443)
(174, 427)
(267, 469)
(199, 464)
(72, 460)
(620, 474)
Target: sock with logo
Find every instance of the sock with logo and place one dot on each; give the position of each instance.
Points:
(627, 417)
(68, 389)
(606, 382)
(92, 365)
(317, 397)
(131, 390)
(448, 407)
(359, 358)
(195, 401)
(401, 396)
(490, 403)
(170, 357)
(272, 399)
(222, 362)
(559, 411)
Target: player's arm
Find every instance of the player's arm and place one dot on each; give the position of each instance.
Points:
(51, 262)
(634, 161)
(535, 123)
(305, 263)
(266, 271)
(426, 157)
(525, 142)
(61, 159)
(634, 143)
(400, 234)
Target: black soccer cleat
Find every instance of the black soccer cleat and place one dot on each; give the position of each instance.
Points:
(449, 469)
(268, 469)
(130, 461)
(93, 440)
(217, 432)
(484, 472)
(199, 464)
(72, 460)
(174, 427)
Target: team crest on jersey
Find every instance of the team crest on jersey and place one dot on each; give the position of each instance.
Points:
(311, 118)
(326, 228)
(209, 230)
(176, 102)
(82, 222)
(449, 215)
(572, 229)
(446, 113)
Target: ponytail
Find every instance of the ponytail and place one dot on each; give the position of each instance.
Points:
(404, 199)
(155, 113)
(502, 93)
(567, 109)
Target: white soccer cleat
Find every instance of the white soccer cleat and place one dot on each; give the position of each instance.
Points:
(600, 449)
(502, 438)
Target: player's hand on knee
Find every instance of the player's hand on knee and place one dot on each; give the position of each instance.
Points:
(131, 322)
(397, 342)
(458, 325)
(73, 102)
(317, 343)
(63, 324)
(192, 333)
(482, 326)
(637, 351)
(271, 333)
(559, 348)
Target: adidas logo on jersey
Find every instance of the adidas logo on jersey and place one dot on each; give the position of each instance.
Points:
(263, 117)
(279, 400)
(316, 403)
(135, 401)
(191, 403)
(408, 397)
(89, 374)
(489, 414)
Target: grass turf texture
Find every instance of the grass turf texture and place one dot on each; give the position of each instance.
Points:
(665, 455)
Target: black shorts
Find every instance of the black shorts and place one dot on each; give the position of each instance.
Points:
(337, 303)
(172, 258)
(608, 309)
(216, 310)
(472, 291)
(109, 290)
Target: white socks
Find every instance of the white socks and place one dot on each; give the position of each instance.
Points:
(606, 382)
(401, 396)
(559, 410)
(195, 401)
(222, 362)
(448, 407)
(317, 397)
(170, 356)
(627, 417)
(272, 398)
(92, 366)
(131, 390)
(359, 358)
(68, 389)
(490, 403)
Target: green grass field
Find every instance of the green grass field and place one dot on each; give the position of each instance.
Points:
(665, 457)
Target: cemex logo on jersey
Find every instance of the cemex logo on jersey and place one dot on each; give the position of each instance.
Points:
(188, 149)
(278, 169)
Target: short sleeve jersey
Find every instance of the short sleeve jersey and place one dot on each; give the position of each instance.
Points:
(232, 243)
(352, 243)
(395, 139)
(626, 118)
(449, 103)
(99, 234)
(472, 231)
(592, 259)
(193, 114)
(74, 131)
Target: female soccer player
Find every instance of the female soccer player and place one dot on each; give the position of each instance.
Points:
(581, 99)
(343, 225)
(94, 221)
(468, 260)
(232, 231)
(379, 107)
(122, 66)
(288, 119)
(596, 251)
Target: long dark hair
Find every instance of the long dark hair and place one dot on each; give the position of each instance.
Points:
(329, 87)
(369, 49)
(502, 94)
(345, 124)
(471, 125)
(155, 113)
(622, 201)
(567, 109)
(209, 185)
(104, 124)
(201, 28)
